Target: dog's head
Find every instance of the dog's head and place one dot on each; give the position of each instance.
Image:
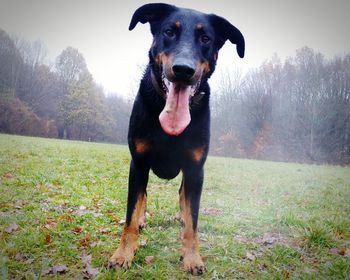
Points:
(183, 54)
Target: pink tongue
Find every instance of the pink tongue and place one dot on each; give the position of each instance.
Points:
(175, 116)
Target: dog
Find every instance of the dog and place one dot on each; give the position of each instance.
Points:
(169, 127)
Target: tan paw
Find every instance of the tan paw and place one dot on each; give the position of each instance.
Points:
(179, 217)
(122, 258)
(193, 263)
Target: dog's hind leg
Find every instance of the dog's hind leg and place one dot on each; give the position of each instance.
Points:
(191, 190)
(138, 178)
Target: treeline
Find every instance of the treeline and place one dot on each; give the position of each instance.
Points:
(296, 110)
(61, 100)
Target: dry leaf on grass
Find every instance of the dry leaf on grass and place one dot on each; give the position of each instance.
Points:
(20, 257)
(89, 271)
(340, 251)
(50, 223)
(77, 230)
(47, 239)
(211, 211)
(8, 175)
(149, 259)
(104, 230)
(250, 256)
(85, 241)
(58, 269)
(11, 228)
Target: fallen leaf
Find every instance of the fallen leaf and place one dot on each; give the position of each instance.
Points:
(89, 271)
(7, 205)
(19, 204)
(58, 269)
(20, 257)
(210, 211)
(269, 238)
(77, 230)
(262, 266)
(104, 230)
(66, 217)
(85, 258)
(121, 222)
(334, 251)
(85, 241)
(149, 259)
(250, 256)
(285, 274)
(8, 175)
(11, 228)
(50, 223)
(47, 239)
(340, 251)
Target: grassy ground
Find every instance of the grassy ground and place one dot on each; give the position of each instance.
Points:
(62, 206)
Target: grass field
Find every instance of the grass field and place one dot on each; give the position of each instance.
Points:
(62, 205)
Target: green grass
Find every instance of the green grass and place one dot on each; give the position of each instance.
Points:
(276, 220)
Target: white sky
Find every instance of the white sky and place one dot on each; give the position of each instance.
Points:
(116, 56)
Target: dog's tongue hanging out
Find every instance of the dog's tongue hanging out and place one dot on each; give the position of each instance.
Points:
(175, 116)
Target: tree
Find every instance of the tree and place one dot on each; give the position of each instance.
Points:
(10, 64)
(297, 110)
(70, 65)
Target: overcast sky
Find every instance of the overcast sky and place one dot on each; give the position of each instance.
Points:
(116, 56)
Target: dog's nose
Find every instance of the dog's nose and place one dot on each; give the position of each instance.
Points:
(183, 70)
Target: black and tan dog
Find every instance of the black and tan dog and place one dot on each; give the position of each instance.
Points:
(170, 121)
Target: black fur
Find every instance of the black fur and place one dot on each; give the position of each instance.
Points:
(167, 155)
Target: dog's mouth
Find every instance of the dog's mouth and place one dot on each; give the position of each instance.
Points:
(193, 87)
(175, 116)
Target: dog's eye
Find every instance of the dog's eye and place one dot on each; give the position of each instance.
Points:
(205, 39)
(169, 33)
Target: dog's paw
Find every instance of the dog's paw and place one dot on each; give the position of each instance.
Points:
(179, 217)
(193, 263)
(122, 258)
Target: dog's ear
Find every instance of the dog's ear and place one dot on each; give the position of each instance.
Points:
(150, 13)
(226, 31)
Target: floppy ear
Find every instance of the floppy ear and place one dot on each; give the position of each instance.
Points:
(150, 13)
(227, 31)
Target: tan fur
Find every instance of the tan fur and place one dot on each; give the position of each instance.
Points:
(124, 255)
(205, 67)
(142, 218)
(141, 146)
(197, 153)
(192, 261)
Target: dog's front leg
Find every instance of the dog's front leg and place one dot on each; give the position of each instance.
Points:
(138, 178)
(190, 194)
